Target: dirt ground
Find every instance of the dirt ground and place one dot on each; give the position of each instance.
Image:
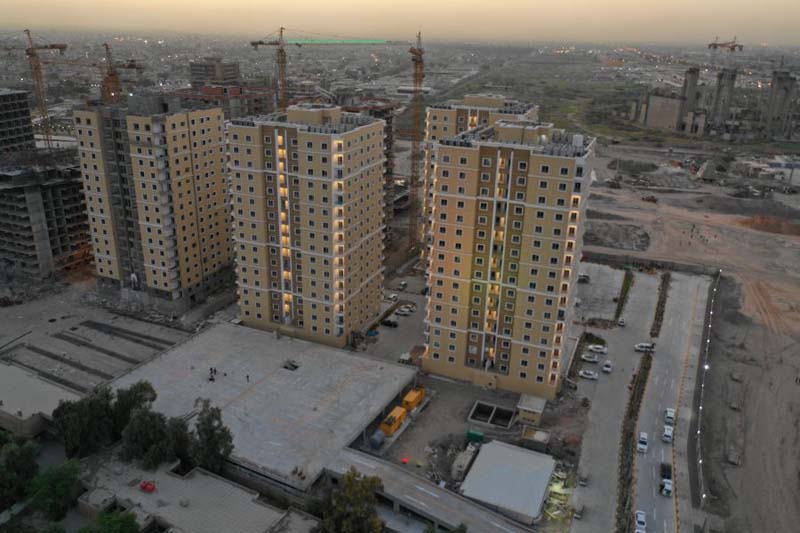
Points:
(612, 235)
(755, 344)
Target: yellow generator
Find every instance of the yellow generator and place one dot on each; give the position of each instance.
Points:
(393, 422)
(413, 398)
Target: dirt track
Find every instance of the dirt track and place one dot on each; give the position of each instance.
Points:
(756, 339)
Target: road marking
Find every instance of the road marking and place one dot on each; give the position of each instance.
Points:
(426, 491)
(654, 514)
(415, 500)
(662, 455)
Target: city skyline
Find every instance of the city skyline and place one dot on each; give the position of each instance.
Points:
(684, 22)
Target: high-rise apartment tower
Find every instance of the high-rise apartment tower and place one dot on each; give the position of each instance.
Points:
(155, 185)
(307, 190)
(16, 130)
(507, 207)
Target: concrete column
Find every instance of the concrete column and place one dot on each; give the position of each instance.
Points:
(41, 237)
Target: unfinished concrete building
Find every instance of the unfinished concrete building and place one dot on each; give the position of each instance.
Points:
(16, 130)
(156, 194)
(214, 71)
(308, 198)
(663, 108)
(234, 100)
(720, 115)
(43, 224)
(777, 118)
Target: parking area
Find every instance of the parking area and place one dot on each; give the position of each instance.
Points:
(609, 394)
(597, 296)
(391, 342)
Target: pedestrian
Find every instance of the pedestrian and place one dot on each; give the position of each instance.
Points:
(248, 378)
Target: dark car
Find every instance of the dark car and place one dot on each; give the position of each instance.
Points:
(389, 323)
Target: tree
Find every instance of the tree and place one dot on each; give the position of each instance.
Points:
(137, 395)
(213, 442)
(114, 522)
(54, 490)
(85, 425)
(17, 467)
(181, 439)
(351, 509)
(145, 437)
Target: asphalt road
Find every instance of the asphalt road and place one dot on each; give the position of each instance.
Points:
(678, 342)
(609, 395)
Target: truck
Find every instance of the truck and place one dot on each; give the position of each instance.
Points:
(666, 479)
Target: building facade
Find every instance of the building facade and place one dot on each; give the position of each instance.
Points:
(155, 186)
(235, 101)
(16, 130)
(43, 225)
(507, 207)
(307, 190)
(214, 71)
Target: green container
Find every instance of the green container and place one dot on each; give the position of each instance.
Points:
(473, 435)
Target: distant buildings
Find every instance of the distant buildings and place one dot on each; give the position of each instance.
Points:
(155, 189)
(308, 220)
(234, 100)
(213, 71)
(43, 224)
(506, 206)
(16, 130)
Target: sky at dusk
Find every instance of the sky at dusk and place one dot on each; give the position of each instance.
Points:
(674, 21)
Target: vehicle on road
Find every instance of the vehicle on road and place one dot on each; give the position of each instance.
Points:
(641, 446)
(583, 478)
(641, 520)
(402, 312)
(402, 286)
(665, 487)
(579, 511)
(590, 358)
(597, 348)
(644, 347)
(667, 435)
(584, 278)
(608, 366)
(621, 322)
(409, 308)
(405, 359)
(393, 297)
(389, 323)
(588, 374)
(669, 416)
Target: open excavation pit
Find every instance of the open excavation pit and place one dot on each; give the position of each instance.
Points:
(493, 415)
(619, 236)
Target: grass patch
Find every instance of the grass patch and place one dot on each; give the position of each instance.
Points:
(658, 318)
(624, 291)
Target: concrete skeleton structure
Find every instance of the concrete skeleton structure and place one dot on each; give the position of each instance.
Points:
(43, 223)
(308, 199)
(507, 204)
(780, 116)
(213, 71)
(234, 100)
(667, 110)
(156, 194)
(16, 129)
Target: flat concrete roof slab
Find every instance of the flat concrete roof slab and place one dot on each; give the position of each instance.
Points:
(22, 391)
(510, 478)
(282, 420)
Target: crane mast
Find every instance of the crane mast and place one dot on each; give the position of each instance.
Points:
(418, 62)
(38, 80)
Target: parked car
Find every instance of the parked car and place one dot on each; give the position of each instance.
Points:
(389, 323)
(402, 286)
(408, 307)
(621, 322)
(588, 374)
(608, 366)
(641, 445)
(589, 357)
(641, 520)
(393, 297)
(597, 348)
(402, 312)
(669, 416)
(644, 347)
(667, 435)
(584, 278)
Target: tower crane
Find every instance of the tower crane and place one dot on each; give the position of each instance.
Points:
(731, 46)
(111, 88)
(32, 51)
(418, 62)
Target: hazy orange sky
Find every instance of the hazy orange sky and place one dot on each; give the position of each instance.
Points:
(673, 21)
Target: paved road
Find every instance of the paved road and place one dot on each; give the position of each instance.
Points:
(609, 396)
(676, 347)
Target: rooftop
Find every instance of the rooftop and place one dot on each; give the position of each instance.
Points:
(5, 91)
(286, 424)
(198, 502)
(24, 394)
(540, 137)
(347, 121)
(509, 478)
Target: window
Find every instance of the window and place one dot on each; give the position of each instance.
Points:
(544, 169)
(486, 162)
(523, 165)
(564, 171)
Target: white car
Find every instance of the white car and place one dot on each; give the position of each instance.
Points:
(644, 347)
(669, 416)
(641, 520)
(590, 357)
(393, 297)
(621, 322)
(597, 348)
(402, 312)
(668, 433)
(641, 445)
(588, 374)
(409, 308)
(608, 366)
